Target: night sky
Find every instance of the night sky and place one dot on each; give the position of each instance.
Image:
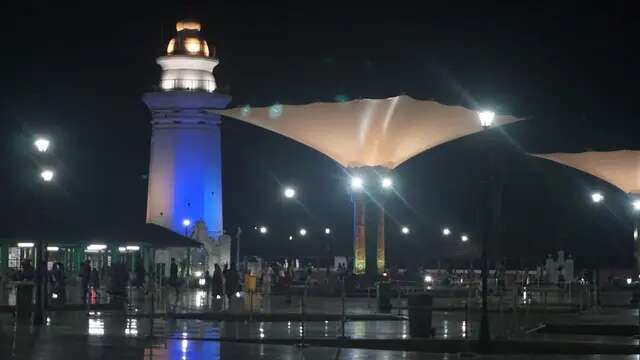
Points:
(77, 74)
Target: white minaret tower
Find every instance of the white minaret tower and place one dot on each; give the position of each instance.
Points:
(185, 168)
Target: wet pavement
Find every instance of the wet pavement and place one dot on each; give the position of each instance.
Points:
(125, 334)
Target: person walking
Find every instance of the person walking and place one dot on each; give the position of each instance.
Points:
(231, 281)
(267, 280)
(94, 285)
(85, 274)
(140, 274)
(217, 286)
(173, 275)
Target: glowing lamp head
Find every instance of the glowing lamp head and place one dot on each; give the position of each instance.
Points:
(486, 118)
(303, 232)
(47, 175)
(464, 238)
(41, 144)
(446, 231)
(238, 294)
(629, 281)
(357, 183)
(192, 45)
(327, 231)
(186, 222)
(405, 230)
(597, 197)
(387, 183)
(263, 230)
(428, 279)
(289, 192)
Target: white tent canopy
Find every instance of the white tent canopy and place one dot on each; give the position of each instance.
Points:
(367, 132)
(619, 168)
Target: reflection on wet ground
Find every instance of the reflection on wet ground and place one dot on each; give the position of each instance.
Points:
(112, 334)
(85, 334)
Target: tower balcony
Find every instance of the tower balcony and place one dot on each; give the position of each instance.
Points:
(188, 84)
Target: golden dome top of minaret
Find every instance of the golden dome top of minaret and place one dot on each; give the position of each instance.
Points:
(188, 40)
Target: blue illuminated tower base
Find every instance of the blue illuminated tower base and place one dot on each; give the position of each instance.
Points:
(185, 175)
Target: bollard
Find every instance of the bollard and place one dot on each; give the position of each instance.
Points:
(502, 318)
(638, 307)
(419, 308)
(250, 304)
(302, 344)
(344, 316)
(516, 315)
(399, 297)
(466, 313)
(24, 296)
(383, 296)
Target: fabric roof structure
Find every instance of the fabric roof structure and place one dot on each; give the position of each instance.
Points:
(620, 168)
(367, 132)
(149, 235)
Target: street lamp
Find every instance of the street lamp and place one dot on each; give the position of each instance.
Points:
(186, 223)
(405, 230)
(327, 231)
(47, 175)
(289, 192)
(303, 232)
(357, 183)
(486, 118)
(597, 197)
(263, 230)
(464, 238)
(446, 231)
(42, 144)
(387, 183)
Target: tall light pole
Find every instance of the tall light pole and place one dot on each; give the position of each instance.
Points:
(486, 120)
(327, 233)
(636, 211)
(597, 197)
(288, 193)
(186, 223)
(42, 146)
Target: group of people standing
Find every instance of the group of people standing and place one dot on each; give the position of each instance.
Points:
(223, 282)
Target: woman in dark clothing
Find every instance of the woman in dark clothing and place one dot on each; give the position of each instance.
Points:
(231, 281)
(217, 288)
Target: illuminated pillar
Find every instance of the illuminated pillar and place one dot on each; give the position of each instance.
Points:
(359, 243)
(633, 198)
(185, 176)
(381, 246)
(368, 220)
